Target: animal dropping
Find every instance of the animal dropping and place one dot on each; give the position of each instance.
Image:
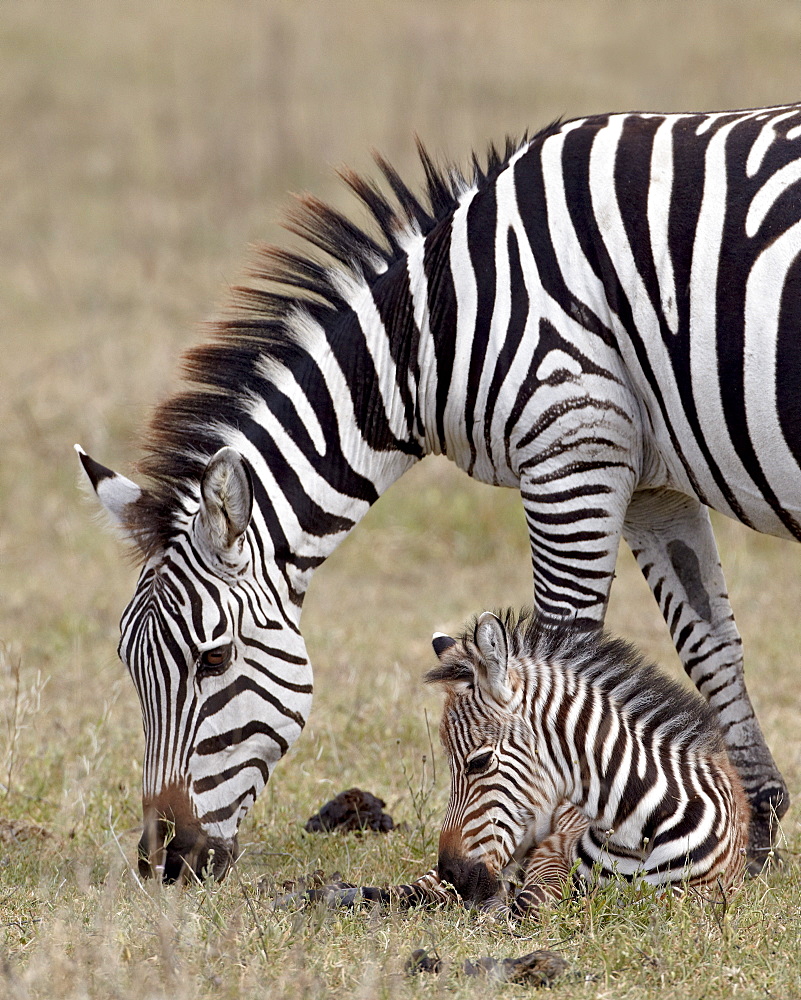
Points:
(351, 810)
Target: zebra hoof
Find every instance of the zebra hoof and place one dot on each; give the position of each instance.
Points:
(767, 807)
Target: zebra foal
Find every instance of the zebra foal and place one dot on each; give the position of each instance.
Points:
(568, 752)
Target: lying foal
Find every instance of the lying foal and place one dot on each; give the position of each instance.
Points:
(567, 754)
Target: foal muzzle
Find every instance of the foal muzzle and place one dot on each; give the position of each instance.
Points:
(472, 879)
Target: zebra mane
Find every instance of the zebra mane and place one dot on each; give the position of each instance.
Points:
(262, 330)
(610, 664)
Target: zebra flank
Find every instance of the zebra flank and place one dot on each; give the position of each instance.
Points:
(603, 316)
(568, 752)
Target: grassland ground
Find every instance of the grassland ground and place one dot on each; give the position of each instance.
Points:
(140, 152)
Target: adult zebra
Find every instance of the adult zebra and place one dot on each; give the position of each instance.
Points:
(606, 317)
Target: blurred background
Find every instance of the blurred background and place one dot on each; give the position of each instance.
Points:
(143, 147)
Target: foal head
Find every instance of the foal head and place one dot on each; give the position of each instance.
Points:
(501, 798)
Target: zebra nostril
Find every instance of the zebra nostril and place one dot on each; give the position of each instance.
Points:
(471, 879)
(448, 870)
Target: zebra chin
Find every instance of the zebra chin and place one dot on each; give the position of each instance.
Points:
(174, 846)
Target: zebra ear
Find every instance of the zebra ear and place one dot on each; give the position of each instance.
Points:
(441, 643)
(455, 671)
(492, 643)
(115, 492)
(226, 502)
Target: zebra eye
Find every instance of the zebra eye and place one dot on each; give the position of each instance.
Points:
(214, 661)
(478, 764)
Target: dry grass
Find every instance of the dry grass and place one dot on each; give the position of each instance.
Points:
(142, 148)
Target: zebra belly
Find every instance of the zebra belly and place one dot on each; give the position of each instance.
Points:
(771, 506)
(706, 315)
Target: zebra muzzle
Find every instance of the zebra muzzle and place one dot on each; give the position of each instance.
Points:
(182, 855)
(474, 882)
(175, 848)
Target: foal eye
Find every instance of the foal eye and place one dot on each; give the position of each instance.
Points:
(214, 661)
(478, 764)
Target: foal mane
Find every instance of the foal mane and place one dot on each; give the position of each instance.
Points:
(636, 686)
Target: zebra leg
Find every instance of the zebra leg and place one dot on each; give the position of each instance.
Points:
(428, 890)
(671, 538)
(548, 864)
(575, 521)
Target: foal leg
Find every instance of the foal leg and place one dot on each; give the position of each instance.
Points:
(671, 538)
(428, 890)
(548, 864)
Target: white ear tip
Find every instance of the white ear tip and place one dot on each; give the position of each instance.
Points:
(79, 449)
(226, 454)
(440, 641)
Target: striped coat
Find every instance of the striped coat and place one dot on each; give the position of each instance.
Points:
(605, 316)
(570, 755)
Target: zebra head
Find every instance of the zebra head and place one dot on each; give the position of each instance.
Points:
(220, 668)
(500, 801)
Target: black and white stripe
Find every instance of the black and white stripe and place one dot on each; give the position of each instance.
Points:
(604, 317)
(567, 751)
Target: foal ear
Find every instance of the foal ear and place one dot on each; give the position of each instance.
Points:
(455, 672)
(441, 643)
(115, 492)
(226, 502)
(491, 640)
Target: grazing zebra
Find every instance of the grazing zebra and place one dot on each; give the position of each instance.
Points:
(569, 754)
(606, 317)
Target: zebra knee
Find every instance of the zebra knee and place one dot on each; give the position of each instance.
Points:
(528, 900)
(526, 904)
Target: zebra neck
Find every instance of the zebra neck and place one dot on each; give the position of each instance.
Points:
(325, 437)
